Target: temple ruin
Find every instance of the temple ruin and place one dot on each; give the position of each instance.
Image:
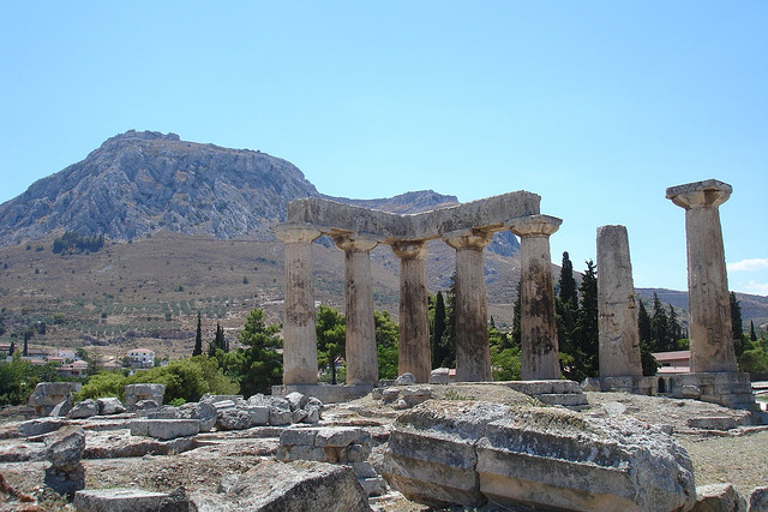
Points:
(468, 228)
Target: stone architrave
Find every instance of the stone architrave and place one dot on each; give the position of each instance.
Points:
(299, 336)
(710, 330)
(361, 357)
(619, 337)
(473, 357)
(413, 348)
(540, 357)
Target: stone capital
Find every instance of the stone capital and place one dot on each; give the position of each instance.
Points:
(351, 242)
(475, 239)
(535, 226)
(701, 194)
(410, 249)
(296, 233)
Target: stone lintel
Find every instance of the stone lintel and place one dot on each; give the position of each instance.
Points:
(707, 193)
(493, 213)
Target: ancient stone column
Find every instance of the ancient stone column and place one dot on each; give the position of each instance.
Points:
(538, 322)
(473, 357)
(299, 336)
(619, 337)
(709, 300)
(362, 361)
(413, 349)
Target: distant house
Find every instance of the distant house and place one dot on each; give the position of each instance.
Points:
(142, 357)
(76, 369)
(673, 363)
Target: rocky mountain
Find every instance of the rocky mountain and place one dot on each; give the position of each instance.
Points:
(138, 183)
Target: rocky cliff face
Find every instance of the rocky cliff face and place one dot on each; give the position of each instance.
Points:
(140, 182)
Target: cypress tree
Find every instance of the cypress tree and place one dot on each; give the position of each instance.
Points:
(737, 329)
(27, 335)
(566, 307)
(643, 324)
(198, 337)
(659, 327)
(438, 330)
(586, 332)
(567, 284)
(752, 333)
(448, 340)
(12, 348)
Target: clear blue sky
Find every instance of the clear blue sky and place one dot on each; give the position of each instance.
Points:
(596, 106)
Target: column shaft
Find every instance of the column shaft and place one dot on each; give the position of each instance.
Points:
(540, 357)
(710, 333)
(619, 337)
(413, 348)
(299, 336)
(361, 356)
(473, 357)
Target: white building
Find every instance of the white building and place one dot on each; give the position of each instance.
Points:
(142, 357)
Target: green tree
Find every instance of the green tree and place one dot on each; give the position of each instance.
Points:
(660, 339)
(262, 364)
(387, 337)
(12, 348)
(648, 362)
(505, 354)
(18, 379)
(643, 323)
(752, 334)
(330, 326)
(737, 328)
(448, 341)
(567, 309)
(585, 334)
(439, 353)
(198, 337)
(219, 342)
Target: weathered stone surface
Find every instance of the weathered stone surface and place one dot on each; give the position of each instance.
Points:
(431, 456)
(719, 498)
(233, 419)
(713, 423)
(556, 458)
(84, 409)
(65, 482)
(49, 394)
(30, 428)
(62, 408)
(132, 500)
(65, 447)
(134, 393)
(165, 429)
(109, 406)
(590, 384)
(260, 414)
(466, 452)
(758, 500)
(300, 486)
(204, 412)
(296, 400)
(440, 376)
(405, 379)
(278, 416)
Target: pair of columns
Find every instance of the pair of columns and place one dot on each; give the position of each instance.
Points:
(538, 324)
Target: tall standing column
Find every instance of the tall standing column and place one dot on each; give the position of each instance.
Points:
(619, 337)
(540, 357)
(473, 357)
(413, 349)
(709, 301)
(299, 336)
(362, 362)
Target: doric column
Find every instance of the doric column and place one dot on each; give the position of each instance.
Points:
(473, 357)
(299, 336)
(362, 362)
(413, 349)
(709, 300)
(619, 337)
(538, 323)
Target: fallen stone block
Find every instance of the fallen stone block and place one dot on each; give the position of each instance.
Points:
(442, 453)
(132, 500)
(48, 394)
(300, 486)
(233, 419)
(65, 448)
(62, 408)
(110, 405)
(31, 428)
(440, 376)
(713, 423)
(84, 409)
(405, 379)
(135, 393)
(719, 498)
(758, 500)
(544, 457)
(201, 411)
(165, 429)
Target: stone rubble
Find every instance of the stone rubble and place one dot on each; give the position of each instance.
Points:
(65, 448)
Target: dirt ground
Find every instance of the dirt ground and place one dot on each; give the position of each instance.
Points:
(739, 456)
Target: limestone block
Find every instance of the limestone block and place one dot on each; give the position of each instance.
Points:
(758, 500)
(590, 384)
(62, 408)
(300, 486)
(719, 498)
(84, 409)
(145, 405)
(691, 391)
(166, 412)
(109, 406)
(713, 423)
(341, 436)
(65, 482)
(298, 415)
(389, 395)
(233, 419)
(36, 427)
(298, 436)
(296, 400)
(303, 452)
(257, 399)
(313, 415)
(355, 452)
(135, 393)
(405, 379)
(201, 411)
(431, 457)
(259, 414)
(279, 416)
(555, 458)
(130, 500)
(165, 429)
(440, 376)
(415, 395)
(64, 448)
